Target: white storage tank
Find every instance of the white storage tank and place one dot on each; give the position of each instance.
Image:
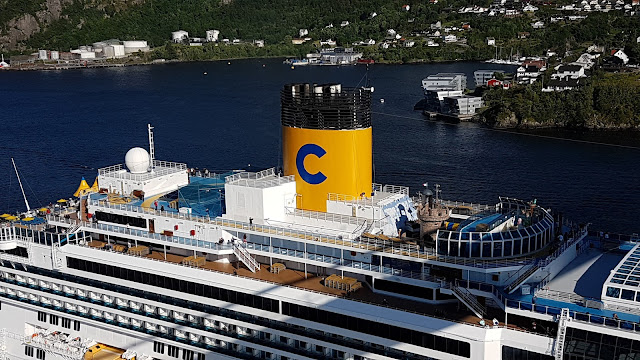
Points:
(133, 46)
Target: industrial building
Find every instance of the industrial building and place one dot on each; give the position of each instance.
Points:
(461, 105)
(334, 56)
(445, 81)
(481, 77)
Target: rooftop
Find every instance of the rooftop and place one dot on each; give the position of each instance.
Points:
(159, 168)
(262, 179)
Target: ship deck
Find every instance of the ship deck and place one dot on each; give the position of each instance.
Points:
(294, 278)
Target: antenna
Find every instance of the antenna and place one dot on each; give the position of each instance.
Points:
(21, 188)
(152, 150)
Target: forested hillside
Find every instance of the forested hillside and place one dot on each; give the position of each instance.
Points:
(63, 24)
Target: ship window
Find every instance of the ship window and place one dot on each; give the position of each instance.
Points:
(40, 354)
(613, 292)
(76, 325)
(172, 351)
(627, 294)
(486, 249)
(187, 354)
(42, 316)
(158, 347)
(28, 350)
(66, 323)
(497, 249)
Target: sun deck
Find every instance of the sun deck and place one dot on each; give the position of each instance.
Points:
(586, 274)
(310, 282)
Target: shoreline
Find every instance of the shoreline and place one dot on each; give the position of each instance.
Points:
(98, 65)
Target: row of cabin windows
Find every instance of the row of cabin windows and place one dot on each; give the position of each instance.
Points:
(255, 301)
(511, 353)
(435, 342)
(55, 320)
(28, 351)
(121, 219)
(418, 338)
(180, 302)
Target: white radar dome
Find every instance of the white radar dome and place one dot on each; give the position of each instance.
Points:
(137, 160)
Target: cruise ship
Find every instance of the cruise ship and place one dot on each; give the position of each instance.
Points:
(310, 260)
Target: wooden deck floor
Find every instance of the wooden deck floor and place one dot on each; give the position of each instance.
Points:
(454, 312)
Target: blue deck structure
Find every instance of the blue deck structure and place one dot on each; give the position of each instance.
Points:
(490, 220)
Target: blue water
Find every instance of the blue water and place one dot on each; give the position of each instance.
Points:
(60, 126)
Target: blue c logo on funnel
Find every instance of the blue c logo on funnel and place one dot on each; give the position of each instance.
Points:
(306, 150)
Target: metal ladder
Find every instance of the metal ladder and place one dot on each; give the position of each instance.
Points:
(243, 254)
(55, 256)
(562, 331)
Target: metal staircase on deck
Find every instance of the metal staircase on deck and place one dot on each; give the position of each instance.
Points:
(522, 278)
(241, 253)
(469, 300)
(562, 331)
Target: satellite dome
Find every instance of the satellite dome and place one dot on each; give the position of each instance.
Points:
(137, 160)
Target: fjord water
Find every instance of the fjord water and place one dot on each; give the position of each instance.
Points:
(62, 125)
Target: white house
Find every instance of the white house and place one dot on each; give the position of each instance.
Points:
(212, 35)
(373, 14)
(328, 42)
(406, 7)
(436, 26)
(432, 43)
(409, 43)
(303, 32)
(620, 55)
(638, 40)
(538, 25)
(450, 38)
(179, 36)
(344, 23)
(530, 8)
(391, 32)
(562, 85)
(491, 41)
(569, 72)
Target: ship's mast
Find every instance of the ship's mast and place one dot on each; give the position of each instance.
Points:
(21, 188)
(152, 150)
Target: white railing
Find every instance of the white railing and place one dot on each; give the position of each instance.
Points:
(159, 168)
(318, 215)
(387, 246)
(395, 189)
(350, 199)
(263, 183)
(474, 206)
(241, 253)
(251, 175)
